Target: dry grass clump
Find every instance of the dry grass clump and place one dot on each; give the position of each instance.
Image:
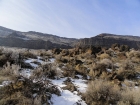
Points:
(68, 71)
(8, 70)
(24, 91)
(107, 62)
(88, 56)
(45, 53)
(28, 54)
(130, 97)
(101, 92)
(127, 70)
(3, 60)
(121, 55)
(134, 53)
(82, 70)
(47, 71)
(110, 52)
(129, 83)
(58, 57)
(128, 65)
(104, 56)
(100, 67)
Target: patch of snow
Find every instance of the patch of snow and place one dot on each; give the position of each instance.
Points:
(136, 87)
(67, 98)
(26, 73)
(81, 84)
(5, 83)
(30, 62)
(109, 70)
(88, 77)
(1, 85)
(38, 60)
(123, 85)
(80, 76)
(52, 60)
(35, 94)
(59, 82)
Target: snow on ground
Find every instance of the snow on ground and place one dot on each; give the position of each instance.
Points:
(109, 70)
(59, 82)
(67, 98)
(26, 73)
(52, 60)
(5, 83)
(81, 84)
(30, 61)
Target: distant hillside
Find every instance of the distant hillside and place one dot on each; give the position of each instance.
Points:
(37, 40)
(106, 40)
(5, 31)
(33, 40)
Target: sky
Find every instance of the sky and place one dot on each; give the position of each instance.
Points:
(72, 18)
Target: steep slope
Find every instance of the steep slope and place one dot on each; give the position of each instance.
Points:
(106, 40)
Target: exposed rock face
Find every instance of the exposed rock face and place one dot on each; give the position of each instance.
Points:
(106, 40)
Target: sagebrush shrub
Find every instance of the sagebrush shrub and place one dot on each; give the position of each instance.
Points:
(101, 92)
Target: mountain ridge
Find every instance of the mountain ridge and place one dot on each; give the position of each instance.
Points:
(38, 40)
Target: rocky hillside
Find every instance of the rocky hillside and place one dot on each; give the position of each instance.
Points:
(106, 40)
(33, 40)
(5, 31)
(36, 40)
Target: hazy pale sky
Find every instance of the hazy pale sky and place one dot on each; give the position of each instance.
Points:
(72, 18)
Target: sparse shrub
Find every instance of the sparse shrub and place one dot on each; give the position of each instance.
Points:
(45, 71)
(45, 53)
(56, 51)
(123, 103)
(130, 97)
(9, 70)
(128, 65)
(129, 83)
(113, 46)
(68, 71)
(134, 53)
(104, 56)
(81, 69)
(28, 54)
(58, 57)
(124, 48)
(101, 92)
(127, 70)
(110, 52)
(98, 68)
(121, 55)
(88, 56)
(3, 60)
(24, 91)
